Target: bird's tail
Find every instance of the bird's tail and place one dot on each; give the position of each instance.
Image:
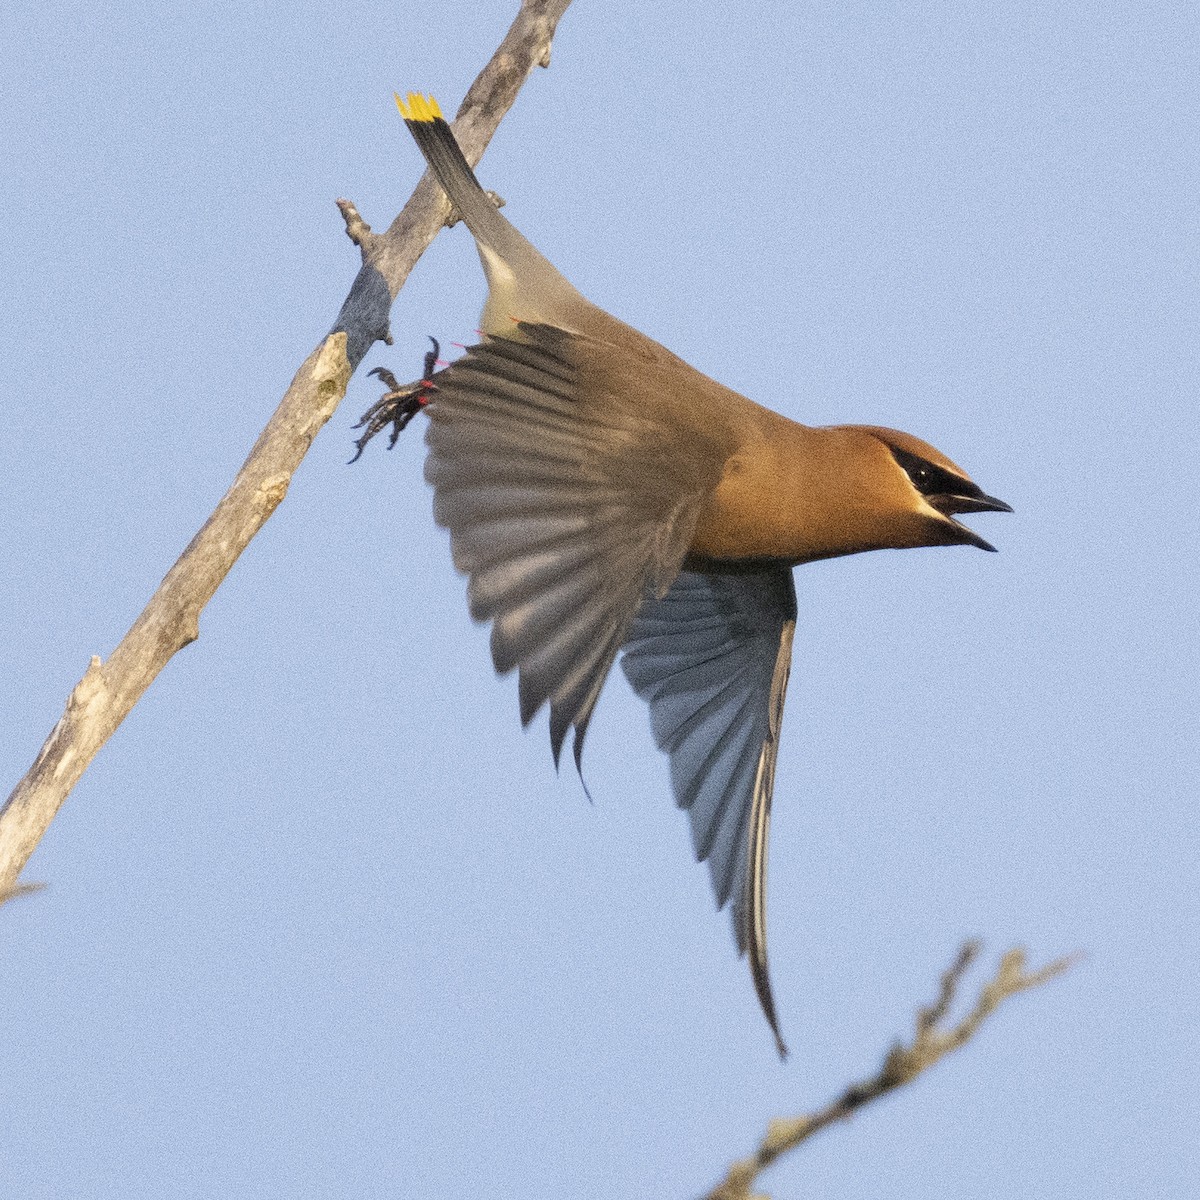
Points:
(436, 139)
(523, 285)
(437, 143)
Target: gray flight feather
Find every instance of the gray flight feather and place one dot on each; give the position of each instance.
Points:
(711, 658)
(567, 497)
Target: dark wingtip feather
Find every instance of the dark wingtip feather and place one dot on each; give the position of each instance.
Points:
(560, 722)
(577, 749)
(783, 1050)
(762, 985)
(529, 700)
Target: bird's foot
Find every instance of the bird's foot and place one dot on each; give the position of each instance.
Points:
(399, 404)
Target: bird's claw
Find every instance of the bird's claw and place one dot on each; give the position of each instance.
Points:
(399, 404)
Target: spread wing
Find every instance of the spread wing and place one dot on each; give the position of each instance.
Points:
(711, 658)
(569, 491)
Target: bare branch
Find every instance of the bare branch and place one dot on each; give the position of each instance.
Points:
(902, 1064)
(106, 693)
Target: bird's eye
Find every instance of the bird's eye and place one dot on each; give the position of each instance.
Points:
(930, 479)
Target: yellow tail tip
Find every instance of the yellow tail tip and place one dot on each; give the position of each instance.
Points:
(418, 107)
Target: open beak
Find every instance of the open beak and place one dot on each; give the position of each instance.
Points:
(948, 505)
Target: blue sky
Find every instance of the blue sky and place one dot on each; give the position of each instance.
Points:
(321, 920)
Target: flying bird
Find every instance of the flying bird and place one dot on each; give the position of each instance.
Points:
(604, 497)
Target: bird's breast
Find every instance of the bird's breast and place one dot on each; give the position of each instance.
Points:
(789, 493)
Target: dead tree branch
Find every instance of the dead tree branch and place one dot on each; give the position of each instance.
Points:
(109, 690)
(902, 1064)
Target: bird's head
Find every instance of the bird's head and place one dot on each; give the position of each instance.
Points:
(921, 490)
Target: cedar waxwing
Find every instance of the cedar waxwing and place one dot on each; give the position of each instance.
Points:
(604, 496)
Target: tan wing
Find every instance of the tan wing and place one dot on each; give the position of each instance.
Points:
(567, 496)
(712, 658)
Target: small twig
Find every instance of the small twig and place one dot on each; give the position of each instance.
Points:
(357, 230)
(21, 889)
(902, 1064)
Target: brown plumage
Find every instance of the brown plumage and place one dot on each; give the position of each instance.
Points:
(603, 497)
